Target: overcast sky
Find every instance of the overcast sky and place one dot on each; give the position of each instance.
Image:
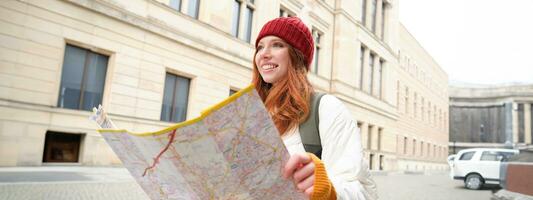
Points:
(475, 41)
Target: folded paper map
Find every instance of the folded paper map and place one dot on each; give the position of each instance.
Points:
(232, 151)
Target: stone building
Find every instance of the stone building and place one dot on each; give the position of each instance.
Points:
(490, 116)
(152, 63)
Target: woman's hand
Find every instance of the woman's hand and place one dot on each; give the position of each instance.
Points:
(301, 169)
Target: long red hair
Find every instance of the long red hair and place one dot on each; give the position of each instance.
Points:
(288, 100)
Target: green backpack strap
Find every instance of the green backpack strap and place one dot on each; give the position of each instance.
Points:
(309, 132)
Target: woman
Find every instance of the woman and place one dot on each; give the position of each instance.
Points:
(284, 51)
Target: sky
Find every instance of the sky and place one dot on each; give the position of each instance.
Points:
(475, 41)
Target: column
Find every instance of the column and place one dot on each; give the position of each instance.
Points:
(527, 123)
(515, 122)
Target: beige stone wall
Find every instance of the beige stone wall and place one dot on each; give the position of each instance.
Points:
(422, 104)
(146, 39)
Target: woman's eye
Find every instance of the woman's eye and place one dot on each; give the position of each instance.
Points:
(259, 47)
(277, 45)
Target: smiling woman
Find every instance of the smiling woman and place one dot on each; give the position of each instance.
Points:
(272, 58)
(334, 166)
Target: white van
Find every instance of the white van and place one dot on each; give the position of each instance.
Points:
(479, 166)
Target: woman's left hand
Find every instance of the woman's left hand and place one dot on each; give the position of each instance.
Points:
(301, 169)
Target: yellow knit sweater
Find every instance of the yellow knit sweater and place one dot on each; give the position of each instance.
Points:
(323, 189)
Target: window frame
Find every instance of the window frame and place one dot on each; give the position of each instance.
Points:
(244, 31)
(317, 36)
(89, 53)
(171, 115)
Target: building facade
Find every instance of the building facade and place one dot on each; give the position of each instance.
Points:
(152, 63)
(491, 116)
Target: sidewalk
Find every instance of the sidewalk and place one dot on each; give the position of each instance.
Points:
(68, 182)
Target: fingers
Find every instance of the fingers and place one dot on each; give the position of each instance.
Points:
(295, 162)
(304, 172)
(309, 191)
(307, 183)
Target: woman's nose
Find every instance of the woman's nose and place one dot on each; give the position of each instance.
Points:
(265, 53)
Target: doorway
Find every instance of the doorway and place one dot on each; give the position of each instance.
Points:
(61, 147)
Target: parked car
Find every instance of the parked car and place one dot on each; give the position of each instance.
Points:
(479, 166)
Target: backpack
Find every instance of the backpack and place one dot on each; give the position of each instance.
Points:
(309, 132)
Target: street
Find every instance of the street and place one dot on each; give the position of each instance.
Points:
(24, 183)
(435, 186)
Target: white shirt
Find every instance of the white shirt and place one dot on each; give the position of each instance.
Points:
(342, 152)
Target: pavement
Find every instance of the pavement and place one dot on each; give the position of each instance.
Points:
(54, 182)
(435, 185)
(109, 183)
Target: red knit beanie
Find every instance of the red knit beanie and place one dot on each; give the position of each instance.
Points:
(294, 32)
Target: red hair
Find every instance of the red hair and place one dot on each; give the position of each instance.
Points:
(288, 100)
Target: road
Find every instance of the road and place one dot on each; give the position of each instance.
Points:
(435, 186)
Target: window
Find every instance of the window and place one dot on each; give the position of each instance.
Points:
(235, 19)
(248, 16)
(467, 155)
(414, 147)
(434, 115)
(428, 149)
(421, 148)
(316, 36)
(439, 122)
(398, 94)
(370, 159)
(490, 156)
(383, 10)
(369, 138)
(363, 11)
(379, 77)
(284, 12)
(414, 105)
(406, 97)
(422, 108)
(404, 145)
(373, 9)
(362, 64)
(380, 135)
(446, 120)
(243, 28)
(506, 155)
(175, 98)
(175, 4)
(371, 74)
(193, 8)
(429, 112)
(82, 79)
(381, 158)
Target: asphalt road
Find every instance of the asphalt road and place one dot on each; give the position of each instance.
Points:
(434, 186)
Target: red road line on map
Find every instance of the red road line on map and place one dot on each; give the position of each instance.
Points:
(156, 159)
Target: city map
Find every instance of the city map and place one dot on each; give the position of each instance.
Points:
(232, 151)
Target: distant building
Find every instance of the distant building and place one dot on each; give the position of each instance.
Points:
(153, 63)
(490, 116)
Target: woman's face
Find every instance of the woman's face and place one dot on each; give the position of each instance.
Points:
(272, 58)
